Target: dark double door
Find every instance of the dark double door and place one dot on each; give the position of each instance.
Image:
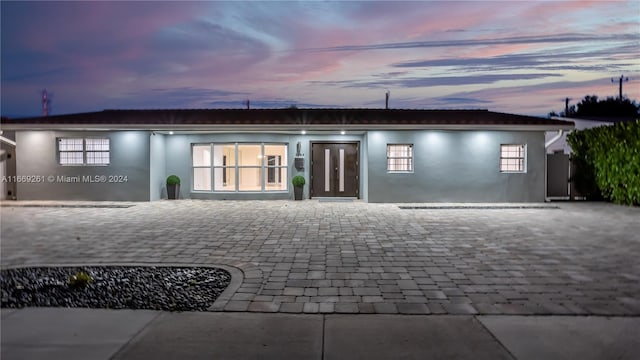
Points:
(334, 169)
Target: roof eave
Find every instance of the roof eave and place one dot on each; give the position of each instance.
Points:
(286, 127)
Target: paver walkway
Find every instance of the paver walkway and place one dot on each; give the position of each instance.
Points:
(324, 257)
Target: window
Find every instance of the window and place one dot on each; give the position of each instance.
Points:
(273, 175)
(400, 158)
(239, 167)
(71, 151)
(224, 175)
(512, 158)
(97, 151)
(276, 165)
(202, 167)
(90, 151)
(249, 167)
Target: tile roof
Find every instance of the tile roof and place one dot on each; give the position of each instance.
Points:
(351, 117)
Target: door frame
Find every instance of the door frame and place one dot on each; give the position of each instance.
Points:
(354, 142)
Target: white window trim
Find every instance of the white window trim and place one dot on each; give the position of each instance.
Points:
(263, 169)
(210, 167)
(412, 157)
(84, 151)
(524, 162)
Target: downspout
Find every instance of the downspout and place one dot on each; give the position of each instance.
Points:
(554, 139)
(7, 141)
(546, 146)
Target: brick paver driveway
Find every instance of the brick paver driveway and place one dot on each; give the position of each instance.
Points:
(310, 256)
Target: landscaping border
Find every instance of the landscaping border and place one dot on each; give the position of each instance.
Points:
(237, 275)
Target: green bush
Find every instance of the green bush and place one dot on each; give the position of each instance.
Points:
(80, 279)
(298, 180)
(583, 177)
(610, 157)
(173, 180)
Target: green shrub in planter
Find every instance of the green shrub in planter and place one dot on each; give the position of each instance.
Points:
(298, 184)
(173, 180)
(298, 181)
(173, 187)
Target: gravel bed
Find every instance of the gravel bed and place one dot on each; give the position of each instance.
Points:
(115, 287)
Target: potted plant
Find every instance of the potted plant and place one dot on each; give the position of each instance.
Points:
(173, 187)
(298, 185)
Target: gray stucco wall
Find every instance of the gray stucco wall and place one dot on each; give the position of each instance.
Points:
(8, 166)
(178, 160)
(455, 166)
(36, 154)
(449, 166)
(364, 168)
(157, 167)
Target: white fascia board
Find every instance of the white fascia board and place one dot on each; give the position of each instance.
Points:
(284, 127)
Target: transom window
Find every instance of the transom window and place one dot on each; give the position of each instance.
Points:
(78, 151)
(240, 167)
(399, 157)
(512, 158)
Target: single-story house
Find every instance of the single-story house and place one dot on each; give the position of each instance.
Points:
(377, 155)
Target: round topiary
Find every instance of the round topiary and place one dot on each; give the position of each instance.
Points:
(298, 180)
(173, 180)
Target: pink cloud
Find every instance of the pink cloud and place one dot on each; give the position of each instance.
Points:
(109, 50)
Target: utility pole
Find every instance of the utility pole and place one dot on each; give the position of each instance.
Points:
(566, 107)
(622, 78)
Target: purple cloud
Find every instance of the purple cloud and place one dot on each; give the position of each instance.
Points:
(95, 55)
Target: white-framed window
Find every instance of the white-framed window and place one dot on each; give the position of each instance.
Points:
(97, 151)
(399, 157)
(237, 167)
(513, 158)
(201, 156)
(84, 151)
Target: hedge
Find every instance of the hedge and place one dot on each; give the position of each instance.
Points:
(607, 162)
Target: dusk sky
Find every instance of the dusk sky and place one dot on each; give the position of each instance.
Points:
(520, 57)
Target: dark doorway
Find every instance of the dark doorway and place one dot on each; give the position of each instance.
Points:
(335, 169)
(558, 176)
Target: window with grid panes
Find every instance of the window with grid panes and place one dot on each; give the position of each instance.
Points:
(97, 151)
(399, 157)
(512, 158)
(79, 151)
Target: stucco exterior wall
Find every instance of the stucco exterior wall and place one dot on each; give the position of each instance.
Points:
(36, 155)
(7, 167)
(449, 166)
(157, 167)
(178, 160)
(455, 166)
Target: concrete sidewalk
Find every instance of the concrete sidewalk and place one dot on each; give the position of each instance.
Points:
(58, 333)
